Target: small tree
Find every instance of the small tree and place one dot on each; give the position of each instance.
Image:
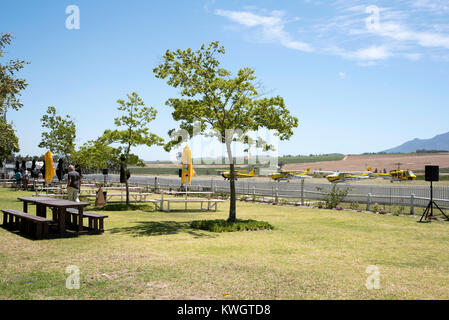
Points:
(134, 121)
(219, 101)
(61, 134)
(10, 86)
(95, 154)
(333, 197)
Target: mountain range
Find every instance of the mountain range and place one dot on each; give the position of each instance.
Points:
(438, 143)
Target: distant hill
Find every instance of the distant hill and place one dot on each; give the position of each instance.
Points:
(439, 142)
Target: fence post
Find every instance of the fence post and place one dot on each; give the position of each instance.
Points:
(254, 193)
(215, 188)
(368, 202)
(412, 203)
(276, 195)
(155, 183)
(302, 192)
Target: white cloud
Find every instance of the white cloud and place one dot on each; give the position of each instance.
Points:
(403, 33)
(432, 5)
(342, 75)
(272, 27)
(407, 29)
(370, 53)
(365, 56)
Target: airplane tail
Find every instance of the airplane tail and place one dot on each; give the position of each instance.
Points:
(307, 171)
(253, 172)
(369, 169)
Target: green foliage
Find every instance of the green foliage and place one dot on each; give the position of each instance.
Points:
(61, 134)
(227, 226)
(333, 197)
(9, 143)
(399, 210)
(95, 154)
(10, 86)
(376, 207)
(126, 207)
(222, 104)
(134, 129)
(310, 158)
(354, 206)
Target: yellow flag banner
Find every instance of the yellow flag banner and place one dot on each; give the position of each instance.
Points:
(49, 167)
(187, 167)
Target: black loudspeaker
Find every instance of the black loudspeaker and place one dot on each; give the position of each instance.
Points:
(432, 173)
(180, 173)
(105, 172)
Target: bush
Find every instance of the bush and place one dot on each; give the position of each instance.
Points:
(226, 226)
(124, 207)
(354, 206)
(399, 210)
(375, 207)
(333, 197)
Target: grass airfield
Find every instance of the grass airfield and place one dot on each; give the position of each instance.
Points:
(311, 254)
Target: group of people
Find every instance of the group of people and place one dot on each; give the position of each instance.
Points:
(23, 178)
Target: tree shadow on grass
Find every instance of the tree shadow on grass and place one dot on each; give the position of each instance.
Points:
(155, 228)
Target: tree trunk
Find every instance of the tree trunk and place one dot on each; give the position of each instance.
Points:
(232, 208)
(127, 192)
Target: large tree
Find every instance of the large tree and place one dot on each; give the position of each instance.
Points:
(10, 85)
(132, 131)
(9, 143)
(61, 134)
(219, 101)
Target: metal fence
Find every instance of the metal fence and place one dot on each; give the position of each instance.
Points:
(410, 196)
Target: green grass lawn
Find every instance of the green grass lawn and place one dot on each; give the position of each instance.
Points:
(310, 254)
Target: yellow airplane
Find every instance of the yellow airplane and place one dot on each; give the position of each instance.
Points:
(397, 175)
(238, 174)
(338, 177)
(290, 174)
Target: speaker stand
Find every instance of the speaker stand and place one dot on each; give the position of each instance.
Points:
(428, 212)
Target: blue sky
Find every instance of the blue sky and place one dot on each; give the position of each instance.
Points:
(361, 76)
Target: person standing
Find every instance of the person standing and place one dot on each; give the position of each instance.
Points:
(18, 176)
(25, 179)
(73, 184)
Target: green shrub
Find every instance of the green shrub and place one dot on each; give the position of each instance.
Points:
(399, 210)
(333, 197)
(125, 207)
(375, 207)
(354, 206)
(226, 226)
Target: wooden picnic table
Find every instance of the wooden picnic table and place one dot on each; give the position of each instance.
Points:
(58, 207)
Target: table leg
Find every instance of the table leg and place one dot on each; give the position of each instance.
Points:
(80, 223)
(41, 210)
(25, 207)
(61, 218)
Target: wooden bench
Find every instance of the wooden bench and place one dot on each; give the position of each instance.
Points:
(211, 204)
(27, 223)
(96, 221)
